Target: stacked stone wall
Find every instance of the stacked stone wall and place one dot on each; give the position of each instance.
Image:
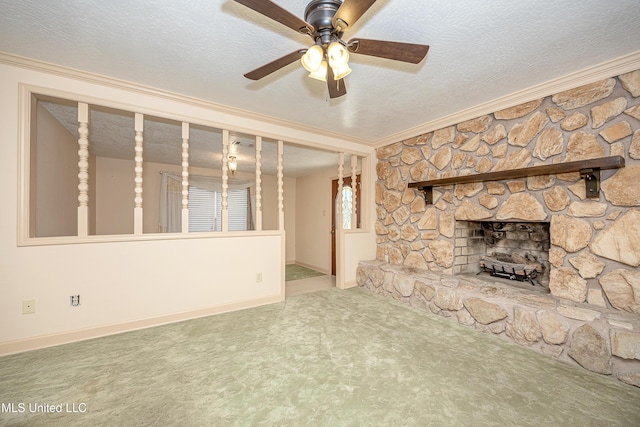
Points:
(595, 243)
(594, 250)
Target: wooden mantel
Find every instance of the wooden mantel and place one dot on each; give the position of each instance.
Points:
(589, 169)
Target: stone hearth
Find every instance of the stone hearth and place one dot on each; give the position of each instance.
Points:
(594, 243)
(601, 340)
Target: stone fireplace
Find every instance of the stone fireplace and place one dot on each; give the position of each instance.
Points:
(587, 310)
(515, 243)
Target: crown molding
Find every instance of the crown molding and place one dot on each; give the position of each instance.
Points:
(615, 67)
(62, 71)
(612, 68)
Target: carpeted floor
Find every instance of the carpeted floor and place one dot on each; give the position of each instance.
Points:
(330, 358)
(297, 272)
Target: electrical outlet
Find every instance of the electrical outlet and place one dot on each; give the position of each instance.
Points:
(29, 306)
(258, 277)
(75, 300)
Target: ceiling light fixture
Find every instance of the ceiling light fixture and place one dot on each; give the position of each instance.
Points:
(233, 164)
(312, 59)
(318, 57)
(325, 21)
(320, 73)
(338, 60)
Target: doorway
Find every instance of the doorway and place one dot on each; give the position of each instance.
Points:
(347, 209)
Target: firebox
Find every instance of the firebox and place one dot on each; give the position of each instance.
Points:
(510, 250)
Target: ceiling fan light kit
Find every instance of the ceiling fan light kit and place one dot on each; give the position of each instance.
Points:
(328, 58)
(337, 57)
(320, 73)
(312, 59)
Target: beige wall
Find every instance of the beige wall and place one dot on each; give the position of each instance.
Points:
(56, 178)
(125, 282)
(313, 219)
(313, 225)
(114, 196)
(270, 210)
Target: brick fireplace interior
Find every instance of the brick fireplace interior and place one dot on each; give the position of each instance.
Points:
(525, 240)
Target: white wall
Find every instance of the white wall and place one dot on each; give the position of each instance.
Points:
(270, 210)
(57, 178)
(126, 282)
(359, 244)
(129, 281)
(114, 195)
(313, 220)
(313, 225)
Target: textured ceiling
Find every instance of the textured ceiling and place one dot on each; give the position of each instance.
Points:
(112, 131)
(480, 51)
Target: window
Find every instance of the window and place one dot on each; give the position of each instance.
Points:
(205, 210)
(347, 207)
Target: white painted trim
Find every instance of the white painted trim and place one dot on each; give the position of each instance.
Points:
(283, 268)
(280, 177)
(615, 67)
(225, 181)
(313, 267)
(340, 257)
(28, 344)
(138, 173)
(71, 240)
(360, 230)
(367, 183)
(258, 224)
(67, 72)
(350, 284)
(23, 214)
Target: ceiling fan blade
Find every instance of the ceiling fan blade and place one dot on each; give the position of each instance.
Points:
(349, 12)
(272, 66)
(336, 87)
(405, 52)
(277, 13)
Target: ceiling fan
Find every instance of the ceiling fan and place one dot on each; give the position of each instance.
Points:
(325, 21)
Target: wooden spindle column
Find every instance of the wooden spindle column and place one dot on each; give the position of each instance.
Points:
(258, 183)
(83, 169)
(354, 188)
(137, 210)
(340, 224)
(280, 186)
(185, 177)
(225, 180)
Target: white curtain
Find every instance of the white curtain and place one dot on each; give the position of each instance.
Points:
(170, 203)
(171, 196)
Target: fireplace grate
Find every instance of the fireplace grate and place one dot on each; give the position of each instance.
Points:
(498, 267)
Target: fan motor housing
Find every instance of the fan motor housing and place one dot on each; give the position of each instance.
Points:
(320, 13)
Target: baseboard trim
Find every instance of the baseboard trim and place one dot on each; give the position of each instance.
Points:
(351, 284)
(51, 340)
(313, 267)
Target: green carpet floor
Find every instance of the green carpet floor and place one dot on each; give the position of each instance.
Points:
(297, 272)
(330, 358)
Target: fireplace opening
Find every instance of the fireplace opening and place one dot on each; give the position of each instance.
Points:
(515, 251)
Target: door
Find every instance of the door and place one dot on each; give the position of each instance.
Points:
(347, 202)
